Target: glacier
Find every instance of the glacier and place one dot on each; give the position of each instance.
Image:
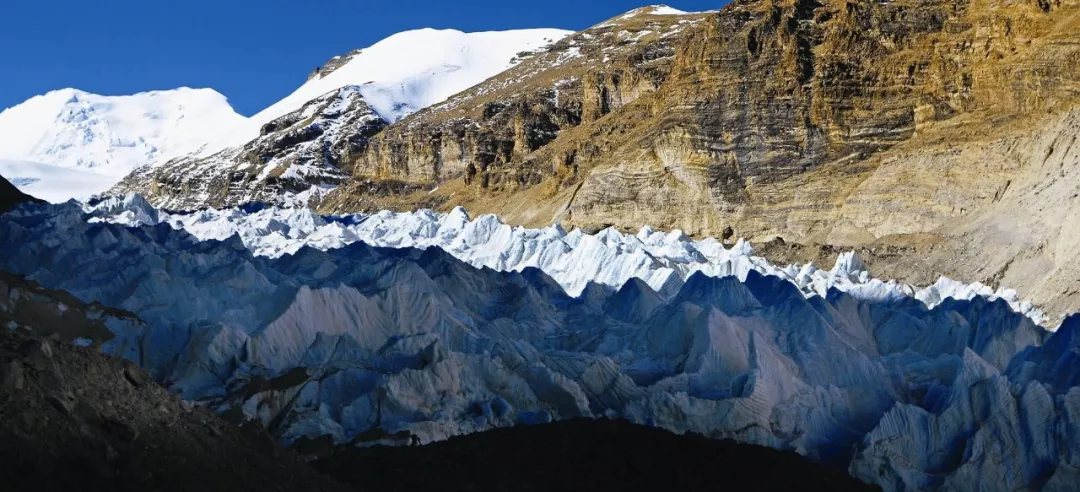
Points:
(369, 344)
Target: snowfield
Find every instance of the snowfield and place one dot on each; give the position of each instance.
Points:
(54, 183)
(421, 345)
(102, 138)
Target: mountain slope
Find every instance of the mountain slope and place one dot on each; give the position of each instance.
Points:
(72, 418)
(405, 72)
(10, 196)
(111, 135)
(376, 85)
(293, 161)
(412, 70)
(482, 142)
(904, 123)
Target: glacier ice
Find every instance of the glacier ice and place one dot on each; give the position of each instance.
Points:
(664, 260)
(355, 339)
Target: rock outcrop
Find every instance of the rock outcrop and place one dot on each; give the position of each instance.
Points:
(295, 154)
(10, 196)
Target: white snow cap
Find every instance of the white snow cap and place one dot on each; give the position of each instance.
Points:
(664, 10)
(74, 143)
(106, 137)
(661, 9)
(409, 71)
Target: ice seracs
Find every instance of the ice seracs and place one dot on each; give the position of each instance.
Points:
(357, 342)
(664, 260)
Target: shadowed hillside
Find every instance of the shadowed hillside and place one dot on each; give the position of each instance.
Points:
(584, 454)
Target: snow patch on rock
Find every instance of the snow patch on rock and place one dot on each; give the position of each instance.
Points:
(407, 72)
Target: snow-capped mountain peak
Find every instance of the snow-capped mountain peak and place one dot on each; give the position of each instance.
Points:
(295, 149)
(414, 69)
(105, 137)
(406, 72)
(113, 134)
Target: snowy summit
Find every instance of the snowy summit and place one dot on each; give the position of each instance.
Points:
(296, 148)
(72, 144)
(406, 72)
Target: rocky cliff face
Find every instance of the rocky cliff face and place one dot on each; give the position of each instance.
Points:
(841, 122)
(705, 121)
(507, 134)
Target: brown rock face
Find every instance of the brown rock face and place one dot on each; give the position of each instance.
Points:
(507, 134)
(24, 303)
(699, 125)
(841, 122)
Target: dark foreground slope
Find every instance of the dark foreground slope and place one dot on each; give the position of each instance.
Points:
(74, 419)
(11, 196)
(583, 454)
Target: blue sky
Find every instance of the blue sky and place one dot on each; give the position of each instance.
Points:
(254, 52)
